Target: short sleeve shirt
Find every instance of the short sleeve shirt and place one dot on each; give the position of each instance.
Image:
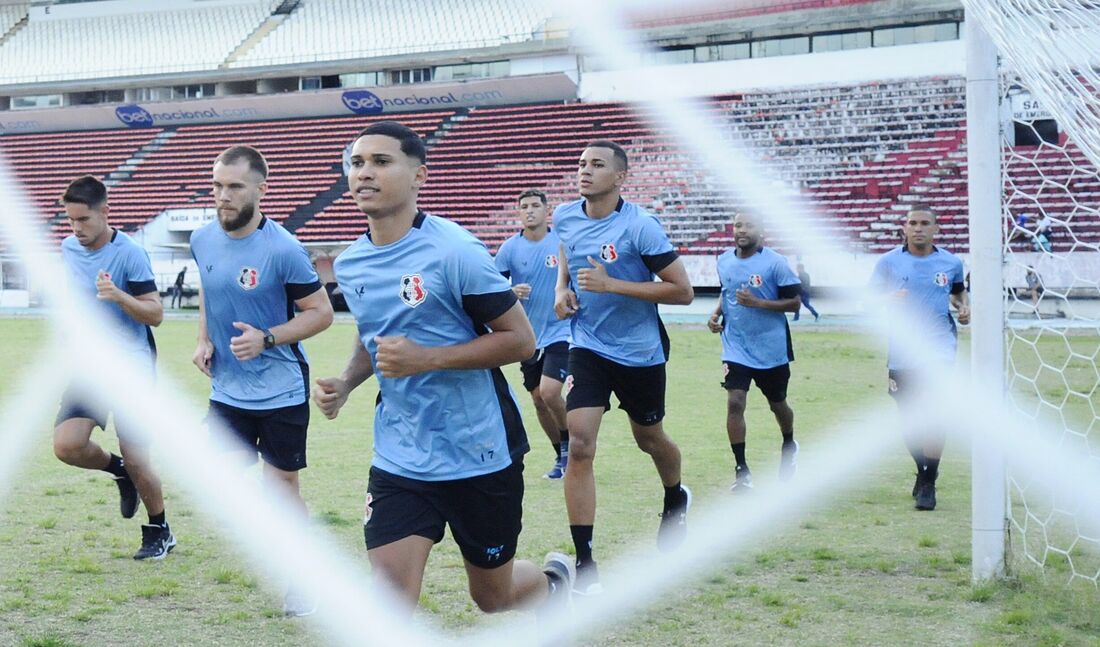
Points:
(755, 337)
(536, 264)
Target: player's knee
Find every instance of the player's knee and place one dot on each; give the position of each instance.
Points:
(581, 448)
(549, 393)
(491, 601)
(779, 406)
(539, 401)
(67, 449)
(736, 404)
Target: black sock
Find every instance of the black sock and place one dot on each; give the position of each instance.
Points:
(582, 542)
(564, 436)
(158, 520)
(115, 466)
(739, 454)
(931, 469)
(788, 438)
(557, 449)
(674, 496)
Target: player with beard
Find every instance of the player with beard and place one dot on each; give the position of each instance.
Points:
(758, 288)
(530, 260)
(255, 274)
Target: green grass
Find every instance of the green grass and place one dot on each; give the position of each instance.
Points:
(865, 569)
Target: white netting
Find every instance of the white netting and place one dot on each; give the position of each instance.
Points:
(1050, 158)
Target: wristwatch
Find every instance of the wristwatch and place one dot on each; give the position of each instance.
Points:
(269, 340)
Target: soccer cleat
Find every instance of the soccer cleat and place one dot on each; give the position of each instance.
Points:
(788, 460)
(587, 580)
(673, 527)
(742, 484)
(561, 574)
(557, 471)
(926, 496)
(298, 602)
(127, 496)
(156, 542)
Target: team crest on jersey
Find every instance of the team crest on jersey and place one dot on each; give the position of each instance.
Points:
(413, 291)
(941, 279)
(551, 261)
(249, 278)
(608, 253)
(755, 280)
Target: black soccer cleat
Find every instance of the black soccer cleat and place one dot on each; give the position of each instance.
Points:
(128, 500)
(742, 483)
(926, 496)
(156, 542)
(587, 580)
(673, 527)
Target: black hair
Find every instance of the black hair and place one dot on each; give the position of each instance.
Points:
(533, 193)
(86, 190)
(411, 144)
(620, 154)
(255, 158)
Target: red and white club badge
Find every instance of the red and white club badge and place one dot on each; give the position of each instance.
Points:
(551, 261)
(941, 279)
(249, 278)
(608, 253)
(413, 291)
(755, 280)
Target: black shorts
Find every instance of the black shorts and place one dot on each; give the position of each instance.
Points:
(279, 435)
(772, 382)
(484, 512)
(640, 389)
(75, 406)
(552, 361)
(900, 383)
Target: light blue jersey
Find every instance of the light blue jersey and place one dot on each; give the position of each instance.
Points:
(536, 264)
(929, 281)
(254, 280)
(756, 337)
(129, 268)
(437, 286)
(631, 244)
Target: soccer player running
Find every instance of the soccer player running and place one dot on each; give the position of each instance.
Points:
(254, 274)
(530, 260)
(758, 288)
(612, 249)
(435, 320)
(924, 281)
(108, 265)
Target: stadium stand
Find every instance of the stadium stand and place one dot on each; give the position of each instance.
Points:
(154, 42)
(666, 17)
(322, 30)
(861, 154)
(10, 16)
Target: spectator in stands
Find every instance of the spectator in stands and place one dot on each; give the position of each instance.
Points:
(1035, 287)
(436, 321)
(611, 249)
(177, 288)
(921, 282)
(1041, 243)
(804, 279)
(107, 265)
(758, 289)
(530, 260)
(254, 275)
(1021, 228)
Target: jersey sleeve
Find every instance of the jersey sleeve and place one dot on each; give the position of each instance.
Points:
(653, 244)
(958, 277)
(484, 292)
(139, 273)
(783, 274)
(300, 278)
(880, 276)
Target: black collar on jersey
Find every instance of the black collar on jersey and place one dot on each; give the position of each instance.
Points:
(418, 220)
(263, 221)
(618, 207)
(114, 234)
(905, 249)
(759, 250)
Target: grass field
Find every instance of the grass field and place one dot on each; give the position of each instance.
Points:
(864, 569)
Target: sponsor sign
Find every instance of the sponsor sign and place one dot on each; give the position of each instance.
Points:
(188, 219)
(1026, 107)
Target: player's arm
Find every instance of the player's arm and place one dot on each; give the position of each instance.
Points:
(314, 315)
(960, 300)
(565, 299)
(331, 393)
(714, 323)
(510, 340)
(145, 308)
(674, 287)
(204, 349)
(790, 299)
